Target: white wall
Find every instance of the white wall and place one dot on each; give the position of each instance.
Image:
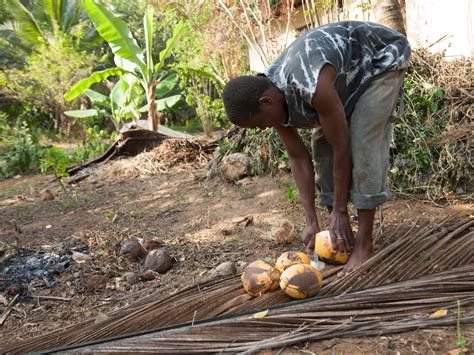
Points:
(430, 20)
(427, 21)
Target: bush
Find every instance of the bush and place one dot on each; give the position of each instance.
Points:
(432, 151)
(21, 152)
(20, 148)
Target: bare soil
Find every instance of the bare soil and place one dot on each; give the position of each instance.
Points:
(202, 222)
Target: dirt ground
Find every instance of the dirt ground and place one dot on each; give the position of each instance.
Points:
(202, 222)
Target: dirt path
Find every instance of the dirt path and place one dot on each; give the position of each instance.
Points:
(201, 222)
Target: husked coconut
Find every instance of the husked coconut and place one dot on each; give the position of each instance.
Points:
(132, 249)
(158, 260)
(285, 233)
(323, 248)
(131, 278)
(260, 277)
(147, 275)
(301, 281)
(289, 258)
(47, 195)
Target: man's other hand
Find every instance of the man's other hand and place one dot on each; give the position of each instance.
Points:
(309, 234)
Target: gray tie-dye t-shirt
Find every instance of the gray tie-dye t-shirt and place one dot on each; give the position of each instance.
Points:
(357, 50)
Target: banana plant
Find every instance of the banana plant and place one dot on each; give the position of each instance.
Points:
(131, 59)
(122, 104)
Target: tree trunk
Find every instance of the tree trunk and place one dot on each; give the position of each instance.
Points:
(388, 13)
(153, 120)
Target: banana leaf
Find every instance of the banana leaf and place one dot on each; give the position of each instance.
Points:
(116, 33)
(79, 87)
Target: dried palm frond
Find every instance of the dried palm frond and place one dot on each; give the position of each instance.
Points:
(381, 310)
(407, 256)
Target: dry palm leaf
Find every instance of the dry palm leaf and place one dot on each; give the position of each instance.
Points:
(412, 266)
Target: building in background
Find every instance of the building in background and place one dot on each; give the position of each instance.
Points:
(433, 24)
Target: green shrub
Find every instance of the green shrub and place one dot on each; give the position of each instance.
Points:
(20, 148)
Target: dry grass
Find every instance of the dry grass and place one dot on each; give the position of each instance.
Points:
(170, 153)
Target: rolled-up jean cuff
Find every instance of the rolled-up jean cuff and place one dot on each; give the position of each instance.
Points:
(368, 202)
(361, 202)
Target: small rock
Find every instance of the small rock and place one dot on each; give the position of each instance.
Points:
(152, 244)
(225, 269)
(47, 195)
(158, 260)
(235, 166)
(131, 278)
(285, 233)
(80, 257)
(132, 249)
(147, 275)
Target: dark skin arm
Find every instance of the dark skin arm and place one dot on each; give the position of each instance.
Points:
(303, 172)
(335, 129)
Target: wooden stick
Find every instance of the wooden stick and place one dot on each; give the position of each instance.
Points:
(52, 298)
(9, 308)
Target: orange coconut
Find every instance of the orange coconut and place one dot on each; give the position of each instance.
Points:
(289, 258)
(260, 277)
(323, 248)
(301, 281)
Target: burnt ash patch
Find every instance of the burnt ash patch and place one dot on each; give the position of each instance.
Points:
(30, 269)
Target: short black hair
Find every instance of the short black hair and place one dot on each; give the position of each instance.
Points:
(241, 96)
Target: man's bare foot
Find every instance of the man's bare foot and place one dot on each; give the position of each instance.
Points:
(362, 252)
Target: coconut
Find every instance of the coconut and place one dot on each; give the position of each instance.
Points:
(260, 277)
(131, 278)
(323, 248)
(301, 281)
(158, 260)
(47, 195)
(132, 249)
(289, 258)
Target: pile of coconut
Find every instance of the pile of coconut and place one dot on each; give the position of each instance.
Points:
(294, 272)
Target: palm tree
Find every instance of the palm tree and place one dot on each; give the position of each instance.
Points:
(29, 25)
(389, 13)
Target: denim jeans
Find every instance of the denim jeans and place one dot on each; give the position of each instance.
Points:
(371, 132)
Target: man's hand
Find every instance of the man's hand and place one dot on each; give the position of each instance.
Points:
(340, 231)
(309, 234)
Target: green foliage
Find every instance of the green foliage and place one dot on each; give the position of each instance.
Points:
(266, 149)
(21, 152)
(46, 77)
(20, 149)
(55, 159)
(97, 141)
(462, 341)
(415, 157)
(205, 59)
(28, 26)
(125, 97)
(291, 193)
